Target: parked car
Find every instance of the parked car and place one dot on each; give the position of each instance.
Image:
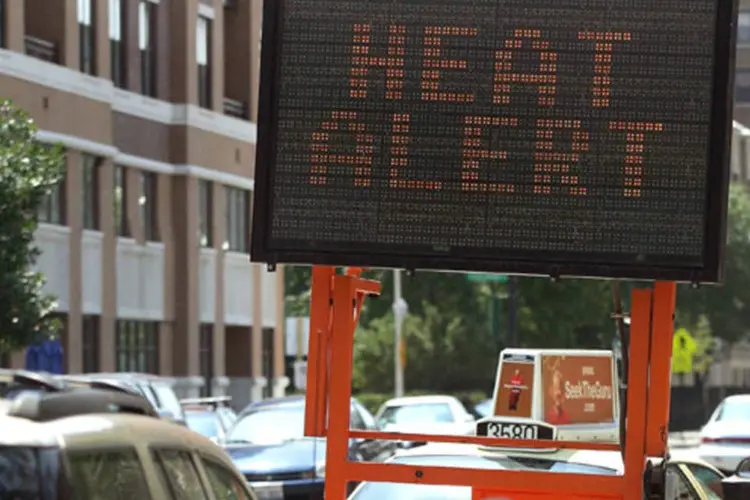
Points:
(211, 417)
(267, 444)
(441, 415)
(725, 439)
(158, 390)
(69, 441)
(686, 478)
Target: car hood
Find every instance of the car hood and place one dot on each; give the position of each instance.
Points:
(289, 456)
(727, 429)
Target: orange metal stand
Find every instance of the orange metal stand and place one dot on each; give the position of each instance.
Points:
(336, 302)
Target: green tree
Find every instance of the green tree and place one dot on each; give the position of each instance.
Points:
(726, 307)
(28, 170)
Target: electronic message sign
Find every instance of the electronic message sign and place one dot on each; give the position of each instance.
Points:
(552, 137)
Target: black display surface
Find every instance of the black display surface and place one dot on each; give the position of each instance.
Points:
(553, 137)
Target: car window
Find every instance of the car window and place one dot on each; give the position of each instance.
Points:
(169, 399)
(108, 475)
(223, 482)
(734, 409)
(271, 426)
(420, 413)
(367, 419)
(205, 423)
(31, 472)
(180, 473)
(677, 487)
(228, 417)
(708, 479)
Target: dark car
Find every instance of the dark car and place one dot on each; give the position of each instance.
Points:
(267, 444)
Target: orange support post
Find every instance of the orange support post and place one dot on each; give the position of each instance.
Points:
(637, 393)
(660, 364)
(339, 304)
(316, 388)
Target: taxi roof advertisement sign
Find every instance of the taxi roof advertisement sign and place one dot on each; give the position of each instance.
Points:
(507, 136)
(577, 389)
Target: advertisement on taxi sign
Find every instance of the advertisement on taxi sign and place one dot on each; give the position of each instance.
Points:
(515, 387)
(578, 389)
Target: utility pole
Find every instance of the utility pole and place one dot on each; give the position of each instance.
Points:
(400, 309)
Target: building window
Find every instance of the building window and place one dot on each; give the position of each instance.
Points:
(116, 48)
(3, 41)
(206, 354)
(137, 346)
(148, 204)
(91, 344)
(205, 217)
(203, 42)
(86, 36)
(743, 28)
(52, 206)
(742, 86)
(146, 42)
(122, 228)
(90, 192)
(237, 219)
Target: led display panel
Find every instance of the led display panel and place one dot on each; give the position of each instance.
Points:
(552, 137)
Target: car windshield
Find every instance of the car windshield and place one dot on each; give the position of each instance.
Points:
(401, 491)
(419, 413)
(269, 426)
(735, 409)
(30, 473)
(203, 422)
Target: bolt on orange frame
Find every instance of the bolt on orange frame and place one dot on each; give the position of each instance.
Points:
(335, 305)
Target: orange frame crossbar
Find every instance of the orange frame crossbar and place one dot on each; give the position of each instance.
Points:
(336, 302)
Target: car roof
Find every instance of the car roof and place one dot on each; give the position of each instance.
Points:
(95, 430)
(427, 399)
(738, 397)
(286, 401)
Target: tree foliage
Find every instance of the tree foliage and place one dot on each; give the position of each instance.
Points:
(28, 170)
(725, 307)
(450, 342)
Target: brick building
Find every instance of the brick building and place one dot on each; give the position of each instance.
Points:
(145, 242)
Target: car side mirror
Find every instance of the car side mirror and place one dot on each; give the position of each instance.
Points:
(737, 487)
